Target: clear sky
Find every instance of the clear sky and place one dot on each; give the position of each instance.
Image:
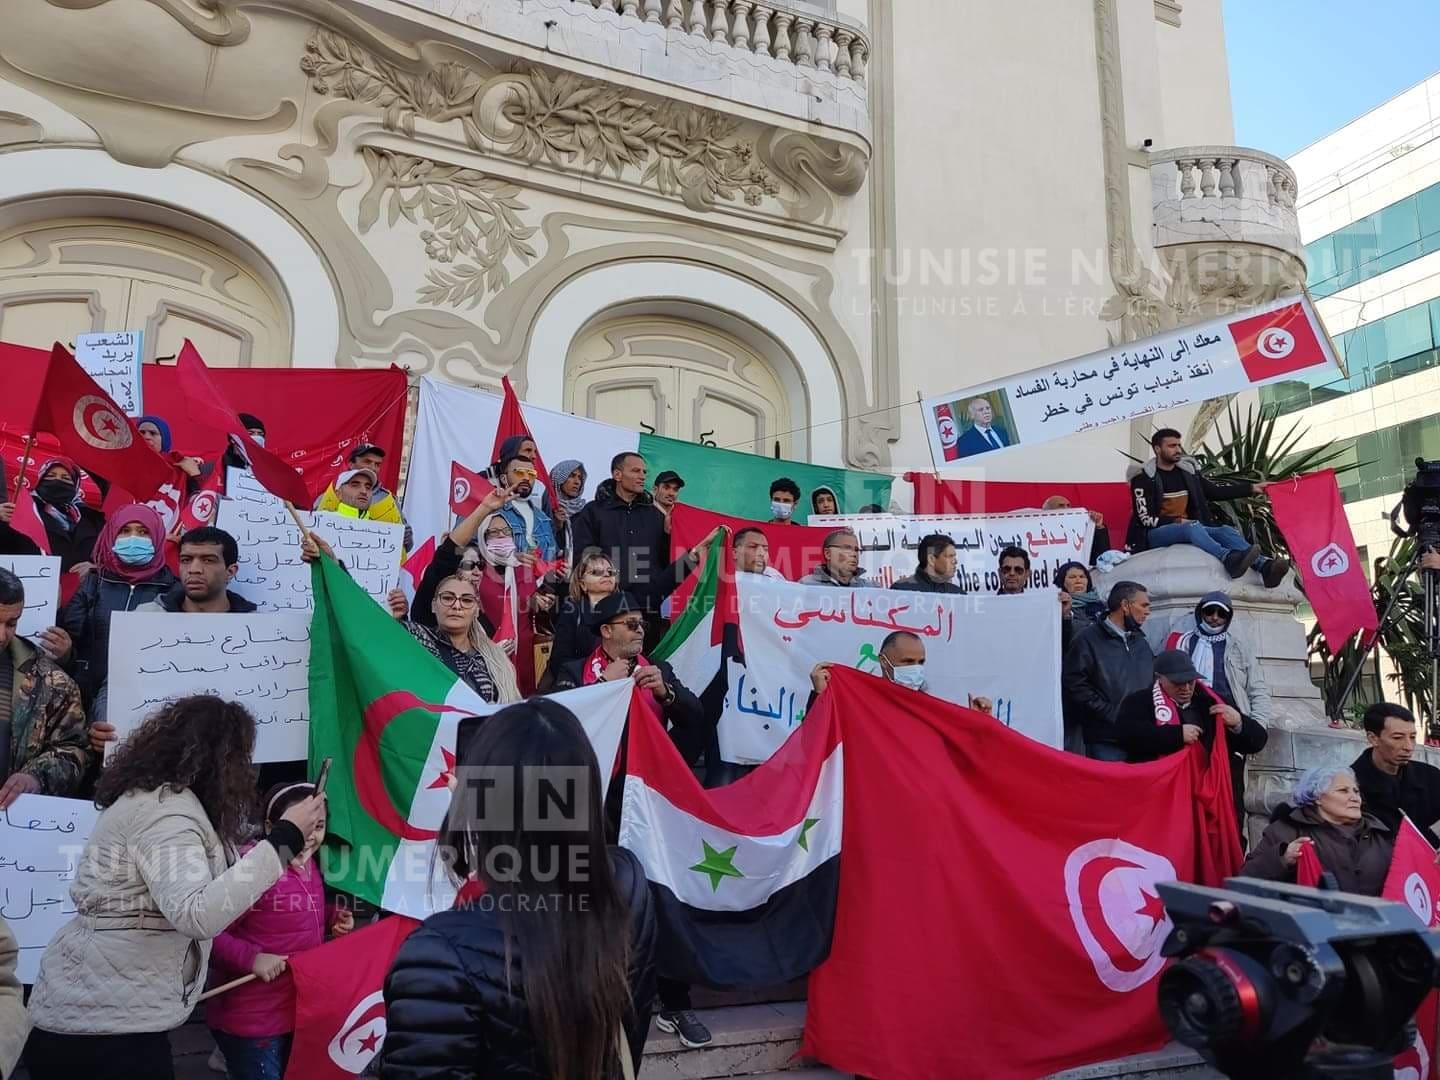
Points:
(1299, 69)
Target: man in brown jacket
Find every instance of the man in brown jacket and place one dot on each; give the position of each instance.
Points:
(44, 748)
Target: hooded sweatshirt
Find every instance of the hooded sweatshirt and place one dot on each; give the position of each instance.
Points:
(1206, 647)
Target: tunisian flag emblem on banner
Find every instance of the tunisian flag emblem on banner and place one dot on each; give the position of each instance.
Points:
(1312, 518)
(340, 1000)
(984, 869)
(1414, 880)
(1277, 343)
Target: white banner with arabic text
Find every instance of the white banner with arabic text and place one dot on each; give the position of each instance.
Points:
(1006, 648)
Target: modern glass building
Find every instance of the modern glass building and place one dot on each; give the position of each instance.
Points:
(1369, 214)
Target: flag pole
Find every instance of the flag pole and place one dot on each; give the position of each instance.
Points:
(231, 985)
(24, 464)
(304, 532)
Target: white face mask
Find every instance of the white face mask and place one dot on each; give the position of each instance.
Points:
(259, 439)
(911, 675)
(781, 510)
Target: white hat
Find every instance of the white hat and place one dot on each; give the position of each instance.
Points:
(350, 474)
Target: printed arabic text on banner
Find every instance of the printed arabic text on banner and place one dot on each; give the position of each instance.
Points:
(260, 660)
(1175, 368)
(1005, 648)
(890, 543)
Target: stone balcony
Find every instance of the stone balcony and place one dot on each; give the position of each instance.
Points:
(786, 60)
(1224, 219)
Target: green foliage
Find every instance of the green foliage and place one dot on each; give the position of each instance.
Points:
(1251, 451)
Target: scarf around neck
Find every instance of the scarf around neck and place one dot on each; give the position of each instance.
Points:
(558, 476)
(1202, 647)
(1167, 709)
(599, 661)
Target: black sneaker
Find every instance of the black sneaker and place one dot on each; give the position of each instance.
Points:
(1237, 562)
(685, 1026)
(1274, 572)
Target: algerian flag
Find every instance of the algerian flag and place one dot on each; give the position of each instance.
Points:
(387, 712)
(745, 877)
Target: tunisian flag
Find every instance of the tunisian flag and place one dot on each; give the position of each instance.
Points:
(1414, 880)
(94, 432)
(467, 489)
(208, 406)
(998, 914)
(340, 1000)
(1312, 518)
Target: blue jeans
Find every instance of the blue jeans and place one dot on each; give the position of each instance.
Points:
(1217, 541)
(253, 1057)
(1104, 751)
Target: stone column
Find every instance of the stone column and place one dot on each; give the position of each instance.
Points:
(1300, 735)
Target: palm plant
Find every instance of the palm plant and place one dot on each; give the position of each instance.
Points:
(1253, 451)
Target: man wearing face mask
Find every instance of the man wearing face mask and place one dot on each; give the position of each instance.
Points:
(902, 661)
(1103, 665)
(533, 533)
(784, 494)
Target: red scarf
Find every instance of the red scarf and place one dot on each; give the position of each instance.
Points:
(598, 662)
(1167, 709)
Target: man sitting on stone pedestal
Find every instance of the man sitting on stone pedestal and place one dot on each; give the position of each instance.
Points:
(1171, 500)
(1391, 783)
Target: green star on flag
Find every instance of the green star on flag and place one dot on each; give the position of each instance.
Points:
(804, 839)
(717, 864)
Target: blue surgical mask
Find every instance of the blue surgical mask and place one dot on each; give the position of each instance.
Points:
(911, 675)
(781, 510)
(134, 550)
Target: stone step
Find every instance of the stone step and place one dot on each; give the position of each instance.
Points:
(749, 1040)
(1171, 1062)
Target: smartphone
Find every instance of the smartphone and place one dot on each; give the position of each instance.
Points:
(323, 777)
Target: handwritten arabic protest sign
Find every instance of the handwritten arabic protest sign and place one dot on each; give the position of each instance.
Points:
(112, 359)
(1006, 648)
(889, 543)
(1179, 367)
(42, 839)
(260, 660)
(40, 574)
(271, 572)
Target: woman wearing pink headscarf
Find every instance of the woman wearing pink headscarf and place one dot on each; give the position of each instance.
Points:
(129, 571)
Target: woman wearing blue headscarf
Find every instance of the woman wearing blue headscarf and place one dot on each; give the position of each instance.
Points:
(1325, 812)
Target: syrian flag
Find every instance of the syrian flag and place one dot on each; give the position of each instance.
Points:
(745, 877)
(1414, 880)
(387, 713)
(340, 1000)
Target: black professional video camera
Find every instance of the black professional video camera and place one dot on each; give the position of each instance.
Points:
(1264, 969)
(1421, 505)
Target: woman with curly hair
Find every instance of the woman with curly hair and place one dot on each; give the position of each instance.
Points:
(158, 880)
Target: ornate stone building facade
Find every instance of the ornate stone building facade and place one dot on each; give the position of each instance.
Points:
(766, 225)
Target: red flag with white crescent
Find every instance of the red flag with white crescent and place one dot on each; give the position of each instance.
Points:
(1414, 880)
(340, 1000)
(467, 489)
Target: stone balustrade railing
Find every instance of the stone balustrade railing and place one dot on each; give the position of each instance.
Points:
(789, 32)
(1223, 193)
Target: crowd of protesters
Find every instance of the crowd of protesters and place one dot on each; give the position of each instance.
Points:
(538, 591)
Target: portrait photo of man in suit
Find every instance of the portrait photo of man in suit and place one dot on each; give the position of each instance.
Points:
(983, 434)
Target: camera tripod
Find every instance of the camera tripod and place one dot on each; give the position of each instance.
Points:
(1431, 620)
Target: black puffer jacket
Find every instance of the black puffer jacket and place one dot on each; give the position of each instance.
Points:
(453, 1011)
(86, 619)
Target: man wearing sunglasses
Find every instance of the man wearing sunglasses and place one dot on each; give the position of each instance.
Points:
(532, 530)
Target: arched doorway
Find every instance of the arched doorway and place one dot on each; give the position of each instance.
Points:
(679, 378)
(66, 276)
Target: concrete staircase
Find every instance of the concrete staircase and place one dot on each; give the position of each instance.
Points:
(750, 1040)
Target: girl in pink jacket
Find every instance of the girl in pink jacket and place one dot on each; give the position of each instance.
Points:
(253, 1024)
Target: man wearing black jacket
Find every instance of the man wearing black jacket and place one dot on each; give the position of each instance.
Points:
(1178, 710)
(1106, 662)
(936, 572)
(1391, 783)
(1171, 501)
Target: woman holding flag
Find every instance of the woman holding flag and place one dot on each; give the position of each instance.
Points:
(544, 969)
(511, 595)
